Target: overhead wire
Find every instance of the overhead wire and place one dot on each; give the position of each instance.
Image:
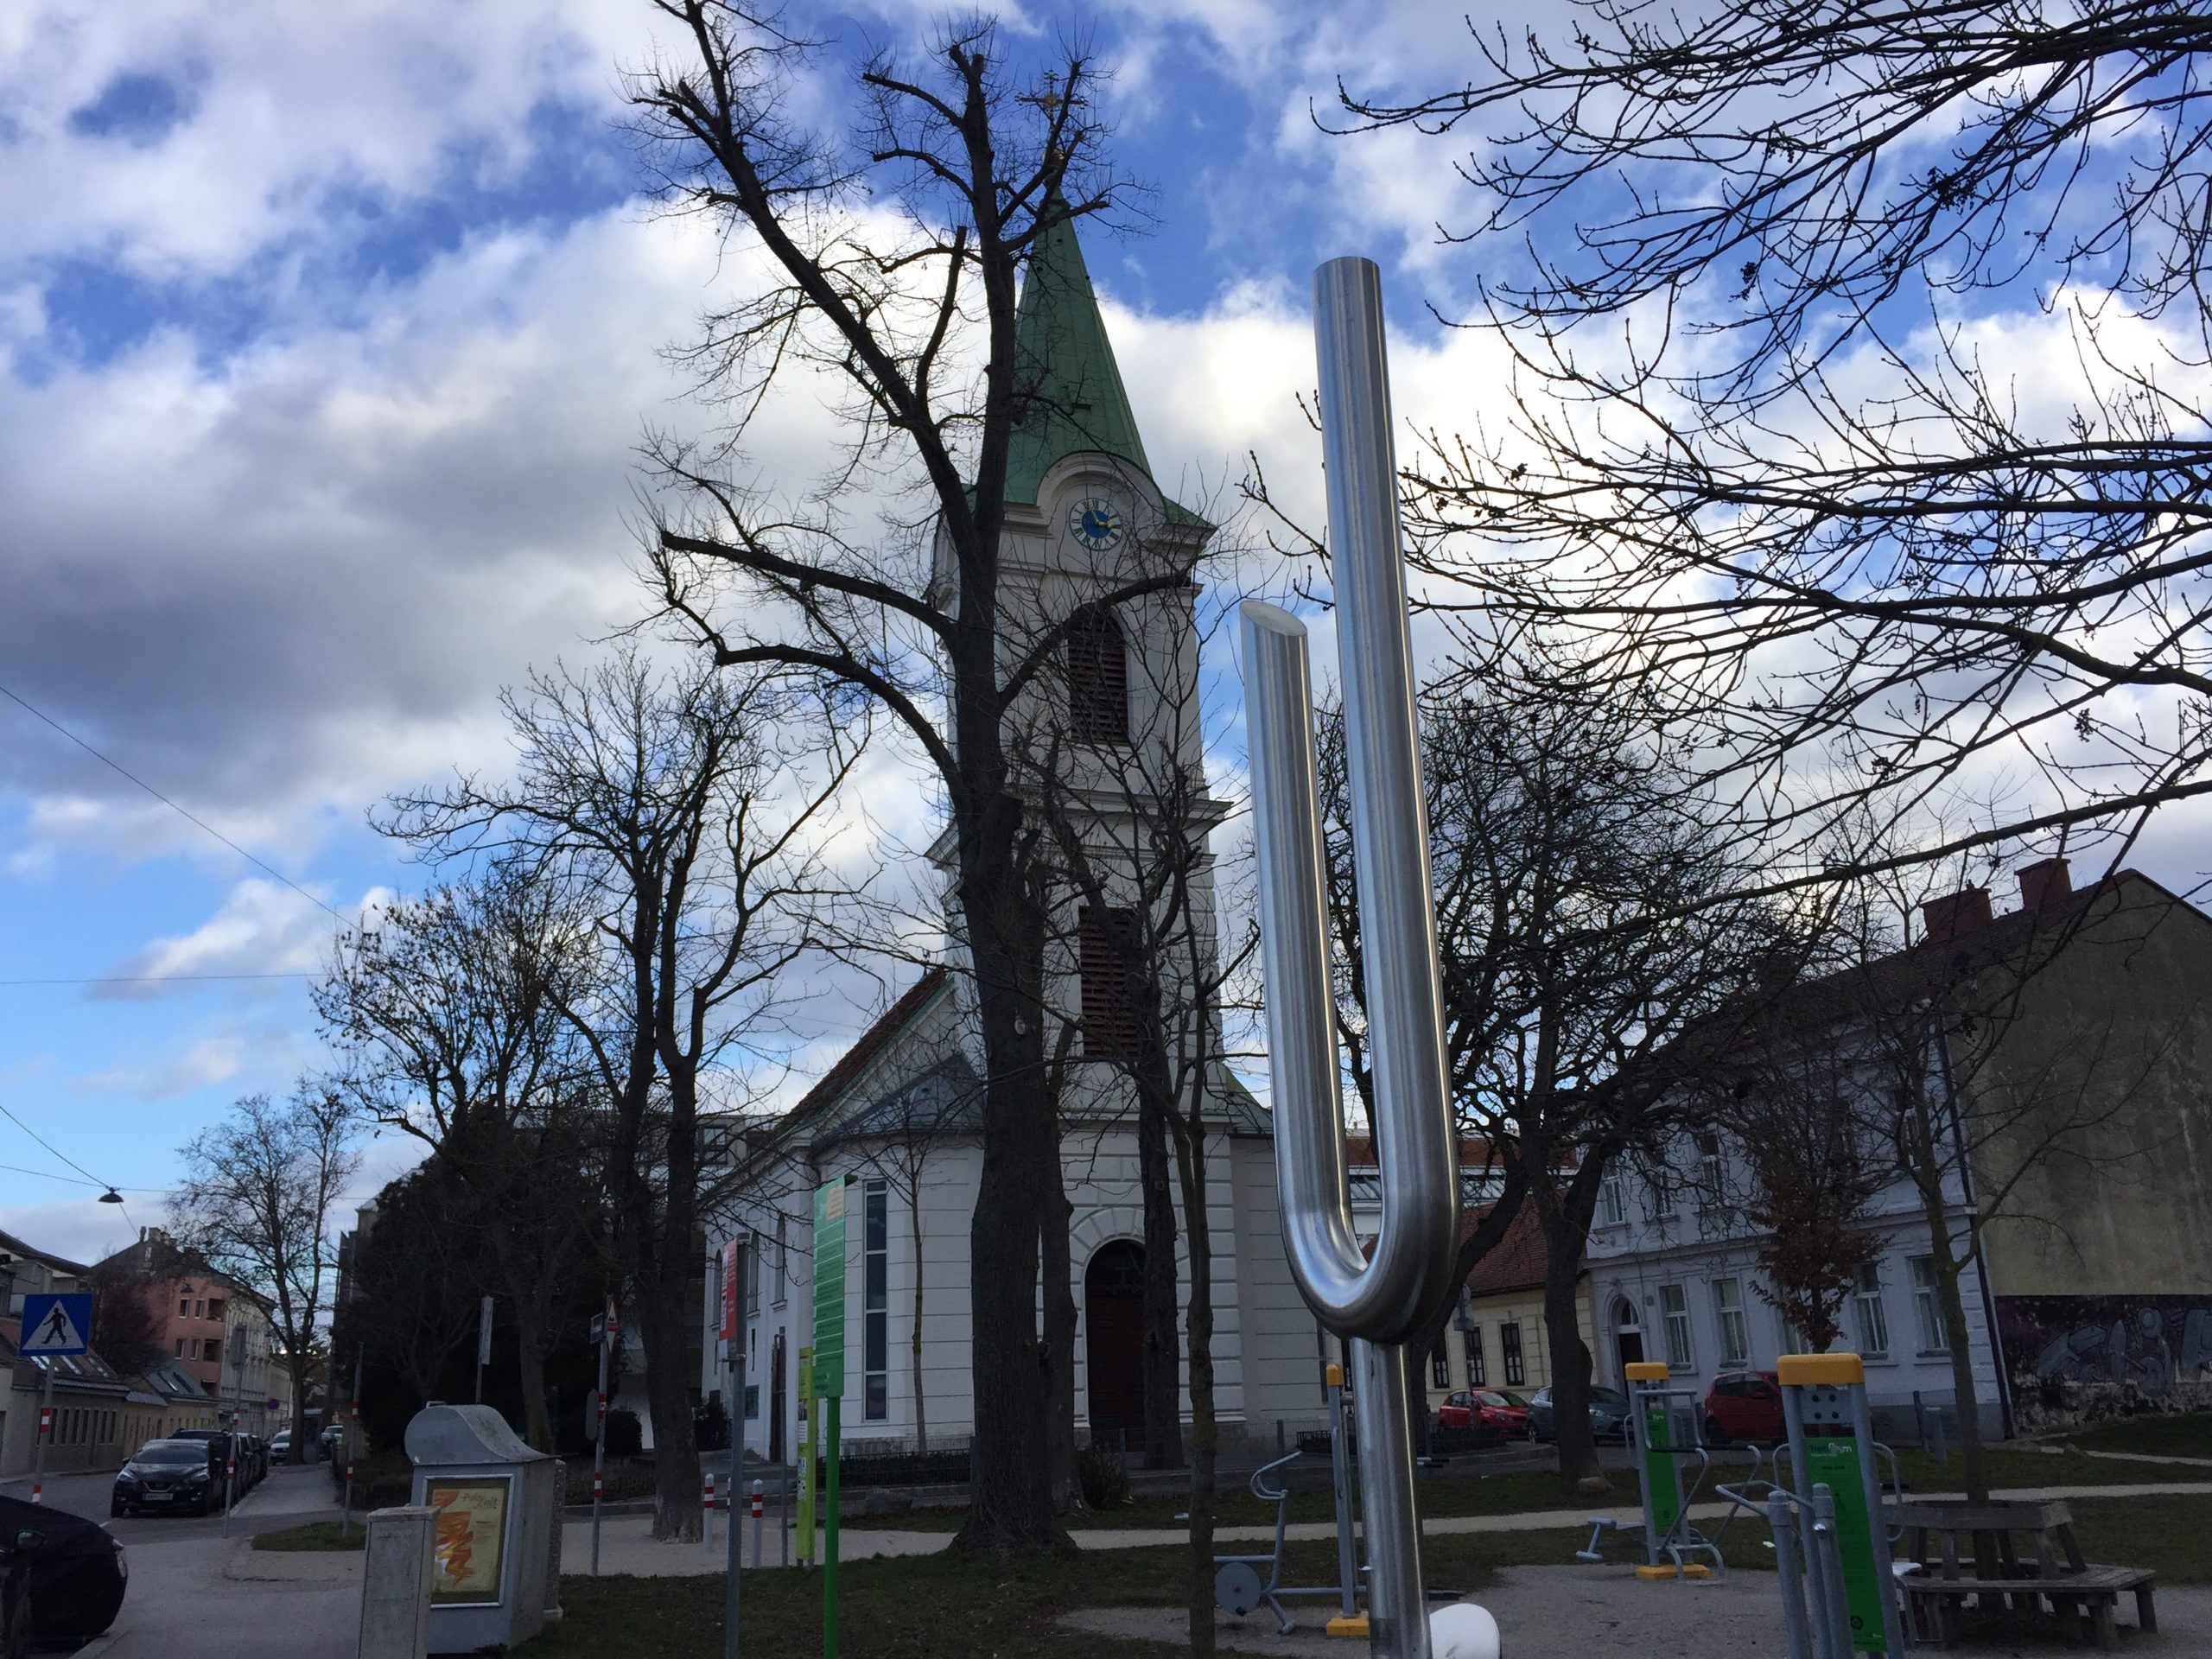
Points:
(123, 771)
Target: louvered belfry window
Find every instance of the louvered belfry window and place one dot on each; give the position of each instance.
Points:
(1110, 1011)
(1098, 680)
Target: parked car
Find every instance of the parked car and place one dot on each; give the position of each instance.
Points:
(332, 1441)
(280, 1448)
(1494, 1408)
(1743, 1405)
(175, 1474)
(1608, 1414)
(76, 1574)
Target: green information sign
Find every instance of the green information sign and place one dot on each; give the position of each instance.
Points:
(1659, 1465)
(1834, 1463)
(829, 1289)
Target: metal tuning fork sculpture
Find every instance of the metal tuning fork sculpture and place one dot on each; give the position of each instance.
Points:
(1377, 1301)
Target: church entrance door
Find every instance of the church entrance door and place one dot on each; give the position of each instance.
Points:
(1113, 1307)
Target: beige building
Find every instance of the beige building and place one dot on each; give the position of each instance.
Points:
(1496, 1338)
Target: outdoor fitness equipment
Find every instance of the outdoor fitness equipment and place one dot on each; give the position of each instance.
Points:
(1838, 1588)
(1237, 1587)
(1376, 1302)
(1668, 1538)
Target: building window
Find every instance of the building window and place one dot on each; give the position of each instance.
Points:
(1735, 1330)
(184, 1307)
(1439, 1364)
(1612, 1201)
(1866, 1305)
(1708, 1169)
(779, 1294)
(1476, 1375)
(1508, 1342)
(199, 1308)
(212, 1349)
(1927, 1308)
(1681, 1355)
(752, 1276)
(876, 1301)
(216, 1306)
(1663, 1194)
(179, 1347)
(1105, 941)
(1098, 680)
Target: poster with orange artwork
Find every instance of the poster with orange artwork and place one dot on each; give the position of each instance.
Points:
(471, 1539)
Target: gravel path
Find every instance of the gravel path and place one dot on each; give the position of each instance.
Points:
(1573, 1613)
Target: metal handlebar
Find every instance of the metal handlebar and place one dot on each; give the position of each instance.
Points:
(1378, 1301)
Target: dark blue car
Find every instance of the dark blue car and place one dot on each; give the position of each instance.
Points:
(1608, 1416)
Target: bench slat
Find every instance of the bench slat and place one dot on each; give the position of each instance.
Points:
(2095, 1579)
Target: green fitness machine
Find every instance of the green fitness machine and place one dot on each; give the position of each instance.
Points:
(1831, 1546)
(1669, 1539)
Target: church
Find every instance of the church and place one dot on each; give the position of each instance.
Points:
(1117, 730)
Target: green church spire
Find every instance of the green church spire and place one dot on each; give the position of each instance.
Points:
(1069, 391)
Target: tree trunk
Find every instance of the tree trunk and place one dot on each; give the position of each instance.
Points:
(1010, 1505)
(1973, 1469)
(664, 1325)
(1059, 1344)
(533, 1341)
(1163, 1404)
(1564, 1216)
(1189, 1155)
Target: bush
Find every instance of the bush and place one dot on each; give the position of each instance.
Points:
(1104, 1486)
(626, 1436)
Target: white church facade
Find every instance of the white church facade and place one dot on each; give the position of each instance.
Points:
(899, 1113)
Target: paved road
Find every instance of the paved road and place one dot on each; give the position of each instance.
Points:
(181, 1605)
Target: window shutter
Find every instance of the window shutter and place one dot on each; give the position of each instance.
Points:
(1098, 681)
(1103, 941)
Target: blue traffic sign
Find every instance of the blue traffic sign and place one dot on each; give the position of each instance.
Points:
(57, 1324)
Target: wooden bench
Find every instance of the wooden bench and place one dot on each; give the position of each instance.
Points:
(2085, 1596)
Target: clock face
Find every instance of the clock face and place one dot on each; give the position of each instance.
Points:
(1096, 523)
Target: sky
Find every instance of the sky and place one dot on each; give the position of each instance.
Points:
(328, 336)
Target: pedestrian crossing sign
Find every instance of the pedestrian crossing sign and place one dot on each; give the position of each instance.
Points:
(56, 1325)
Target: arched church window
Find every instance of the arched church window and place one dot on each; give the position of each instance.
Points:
(1105, 938)
(1098, 679)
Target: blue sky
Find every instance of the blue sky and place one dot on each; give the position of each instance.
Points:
(327, 335)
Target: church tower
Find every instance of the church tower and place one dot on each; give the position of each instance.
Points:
(1109, 742)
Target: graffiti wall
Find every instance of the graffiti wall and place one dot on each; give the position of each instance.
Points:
(2075, 1360)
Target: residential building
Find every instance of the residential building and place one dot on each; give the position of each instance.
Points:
(2067, 1047)
(215, 1330)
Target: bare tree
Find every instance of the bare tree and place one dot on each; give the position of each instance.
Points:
(1592, 942)
(1986, 1066)
(127, 1331)
(888, 251)
(1776, 450)
(1132, 823)
(453, 1015)
(666, 805)
(255, 1204)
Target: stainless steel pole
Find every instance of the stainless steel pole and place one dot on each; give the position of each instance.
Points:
(1378, 1301)
(1340, 1481)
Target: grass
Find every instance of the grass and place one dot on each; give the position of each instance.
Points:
(938, 1607)
(2161, 1434)
(315, 1534)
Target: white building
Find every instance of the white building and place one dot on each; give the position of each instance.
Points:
(1675, 1276)
(900, 1111)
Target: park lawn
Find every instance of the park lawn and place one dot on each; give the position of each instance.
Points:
(2012, 1469)
(2164, 1531)
(2186, 1434)
(315, 1534)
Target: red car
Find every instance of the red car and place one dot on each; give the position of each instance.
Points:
(1494, 1408)
(1743, 1405)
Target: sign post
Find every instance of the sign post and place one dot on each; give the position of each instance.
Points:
(54, 1327)
(804, 1522)
(483, 1344)
(830, 1378)
(605, 1330)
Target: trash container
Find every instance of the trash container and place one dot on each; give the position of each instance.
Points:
(497, 1530)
